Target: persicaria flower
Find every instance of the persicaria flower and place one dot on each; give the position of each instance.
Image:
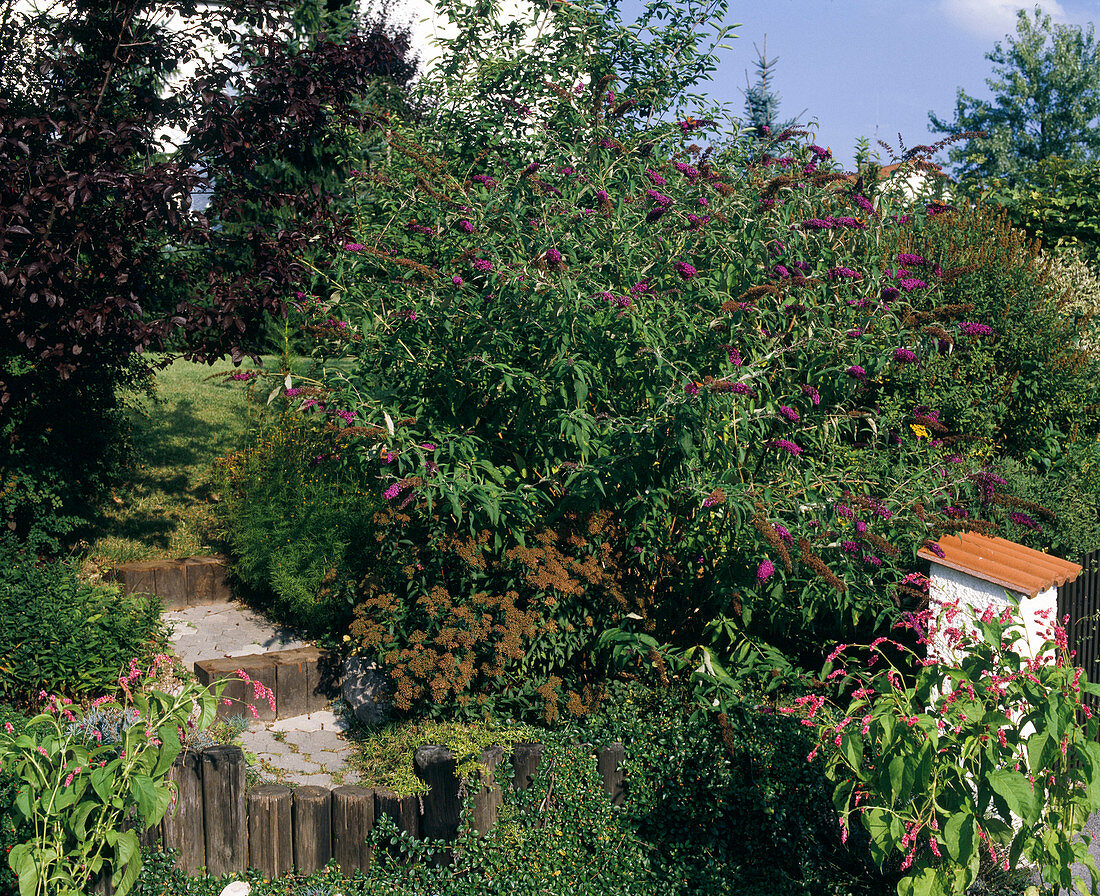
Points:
(904, 355)
(765, 570)
(790, 413)
(784, 445)
(685, 270)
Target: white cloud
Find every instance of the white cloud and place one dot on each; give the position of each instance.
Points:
(993, 19)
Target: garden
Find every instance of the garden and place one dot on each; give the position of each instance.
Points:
(569, 407)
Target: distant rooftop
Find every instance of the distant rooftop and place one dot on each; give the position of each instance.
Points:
(1002, 562)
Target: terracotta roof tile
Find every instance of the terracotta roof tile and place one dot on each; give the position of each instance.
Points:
(1002, 562)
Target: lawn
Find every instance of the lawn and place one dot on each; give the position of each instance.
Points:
(161, 505)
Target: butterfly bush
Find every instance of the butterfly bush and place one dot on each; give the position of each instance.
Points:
(779, 351)
(975, 741)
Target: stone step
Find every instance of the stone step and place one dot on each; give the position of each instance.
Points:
(188, 582)
(304, 680)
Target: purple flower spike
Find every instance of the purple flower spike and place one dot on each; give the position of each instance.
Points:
(904, 355)
(790, 413)
(858, 372)
(765, 570)
(783, 445)
(969, 328)
(686, 270)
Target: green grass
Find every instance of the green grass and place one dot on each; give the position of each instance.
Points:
(162, 504)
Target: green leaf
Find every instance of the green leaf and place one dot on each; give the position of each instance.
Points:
(127, 862)
(923, 883)
(960, 834)
(145, 794)
(1016, 792)
(21, 861)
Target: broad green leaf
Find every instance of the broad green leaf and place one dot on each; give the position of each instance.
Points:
(961, 836)
(1016, 792)
(21, 861)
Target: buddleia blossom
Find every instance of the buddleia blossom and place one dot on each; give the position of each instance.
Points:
(715, 498)
(689, 171)
(484, 180)
(466, 226)
(970, 328)
(1022, 519)
(685, 270)
(790, 413)
(483, 265)
(655, 177)
(659, 198)
(812, 393)
(765, 570)
(904, 355)
(842, 273)
(910, 283)
(856, 371)
(786, 446)
(908, 258)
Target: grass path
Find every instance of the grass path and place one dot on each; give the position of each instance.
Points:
(162, 505)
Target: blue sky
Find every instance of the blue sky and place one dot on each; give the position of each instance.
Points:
(864, 67)
(874, 67)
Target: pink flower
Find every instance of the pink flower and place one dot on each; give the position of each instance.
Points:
(765, 570)
(354, 247)
(8, 727)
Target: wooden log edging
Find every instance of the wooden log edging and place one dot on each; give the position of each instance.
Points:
(219, 827)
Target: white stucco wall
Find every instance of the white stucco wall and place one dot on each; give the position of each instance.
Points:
(949, 585)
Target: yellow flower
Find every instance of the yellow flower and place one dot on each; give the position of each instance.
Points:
(919, 431)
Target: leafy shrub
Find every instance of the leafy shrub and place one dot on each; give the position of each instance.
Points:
(985, 746)
(298, 520)
(727, 802)
(62, 635)
(13, 828)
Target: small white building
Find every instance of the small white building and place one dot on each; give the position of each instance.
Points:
(979, 572)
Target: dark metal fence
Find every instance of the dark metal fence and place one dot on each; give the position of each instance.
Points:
(1080, 600)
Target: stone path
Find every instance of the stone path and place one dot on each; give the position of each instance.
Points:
(306, 749)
